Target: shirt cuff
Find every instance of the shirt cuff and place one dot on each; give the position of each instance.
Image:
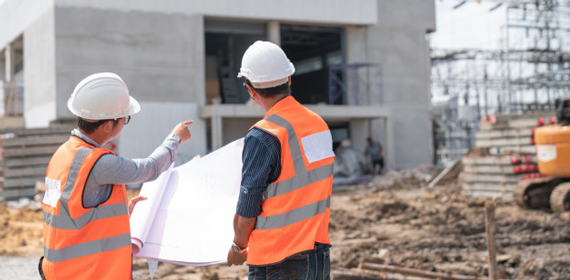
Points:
(249, 205)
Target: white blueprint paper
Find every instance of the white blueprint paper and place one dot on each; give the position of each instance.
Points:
(188, 216)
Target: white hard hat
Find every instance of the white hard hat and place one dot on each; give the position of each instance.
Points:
(265, 65)
(102, 96)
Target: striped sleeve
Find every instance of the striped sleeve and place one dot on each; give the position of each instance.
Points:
(261, 166)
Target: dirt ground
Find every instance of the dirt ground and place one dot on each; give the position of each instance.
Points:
(394, 219)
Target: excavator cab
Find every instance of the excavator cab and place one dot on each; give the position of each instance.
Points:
(553, 158)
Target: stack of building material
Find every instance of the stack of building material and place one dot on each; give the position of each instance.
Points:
(505, 154)
(25, 160)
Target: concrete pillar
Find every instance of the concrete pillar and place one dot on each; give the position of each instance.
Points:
(10, 62)
(274, 32)
(389, 143)
(217, 132)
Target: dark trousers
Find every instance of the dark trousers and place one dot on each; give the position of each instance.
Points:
(312, 264)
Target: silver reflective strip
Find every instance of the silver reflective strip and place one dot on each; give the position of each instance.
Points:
(299, 180)
(70, 183)
(293, 216)
(100, 212)
(302, 177)
(294, 146)
(87, 248)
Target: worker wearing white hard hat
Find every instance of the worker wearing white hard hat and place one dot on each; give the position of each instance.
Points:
(282, 214)
(86, 214)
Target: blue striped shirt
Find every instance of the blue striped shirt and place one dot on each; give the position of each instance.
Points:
(261, 166)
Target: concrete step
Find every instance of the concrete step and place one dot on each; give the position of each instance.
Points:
(27, 161)
(17, 143)
(29, 152)
(10, 173)
(28, 182)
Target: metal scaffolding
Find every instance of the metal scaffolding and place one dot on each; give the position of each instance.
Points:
(528, 73)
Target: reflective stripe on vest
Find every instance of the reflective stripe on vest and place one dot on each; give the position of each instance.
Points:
(65, 221)
(87, 248)
(293, 216)
(301, 179)
(302, 176)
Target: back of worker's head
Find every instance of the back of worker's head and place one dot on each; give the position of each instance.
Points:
(100, 97)
(266, 68)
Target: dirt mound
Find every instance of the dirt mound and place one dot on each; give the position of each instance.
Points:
(394, 219)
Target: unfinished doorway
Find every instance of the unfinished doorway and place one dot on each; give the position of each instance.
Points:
(226, 41)
(312, 49)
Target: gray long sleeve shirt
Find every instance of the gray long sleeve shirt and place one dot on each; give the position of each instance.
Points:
(111, 169)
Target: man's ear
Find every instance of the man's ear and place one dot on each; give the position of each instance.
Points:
(107, 126)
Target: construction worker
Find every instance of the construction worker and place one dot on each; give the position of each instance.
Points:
(86, 221)
(373, 154)
(282, 215)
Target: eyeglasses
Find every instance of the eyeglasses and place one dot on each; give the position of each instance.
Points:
(126, 120)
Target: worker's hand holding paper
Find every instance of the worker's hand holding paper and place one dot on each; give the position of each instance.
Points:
(188, 216)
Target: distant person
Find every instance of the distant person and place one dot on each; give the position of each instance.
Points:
(373, 153)
(86, 219)
(282, 216)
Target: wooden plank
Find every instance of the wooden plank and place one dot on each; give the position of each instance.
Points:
(490, 233)
(22, 182)
(29, 161)
(30, 171)
(34, 141)
(36, 151)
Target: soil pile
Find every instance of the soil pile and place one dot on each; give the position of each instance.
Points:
(394, 219)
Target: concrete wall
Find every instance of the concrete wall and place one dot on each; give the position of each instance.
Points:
(321, 11)
(156, 120)
(17, 15)
(160, 56)
(39, 71)
(399, 45)
(158, 49)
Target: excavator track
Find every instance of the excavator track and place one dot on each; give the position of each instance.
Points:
(560, 198)
(535, 193)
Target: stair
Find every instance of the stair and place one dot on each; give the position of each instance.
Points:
(26, 154)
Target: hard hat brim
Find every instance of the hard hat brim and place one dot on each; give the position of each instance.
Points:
(134, 107)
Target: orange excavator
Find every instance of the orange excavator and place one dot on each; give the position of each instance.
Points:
(553, 158)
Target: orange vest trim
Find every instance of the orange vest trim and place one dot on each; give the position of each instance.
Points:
(83, 243)
(296, 207)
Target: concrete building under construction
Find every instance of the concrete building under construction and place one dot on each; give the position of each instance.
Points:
(362, 65)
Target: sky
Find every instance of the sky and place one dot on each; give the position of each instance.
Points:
(471, 26)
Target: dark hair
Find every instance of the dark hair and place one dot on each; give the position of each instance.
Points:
(272, 91)
(89, 127)
(369, 139)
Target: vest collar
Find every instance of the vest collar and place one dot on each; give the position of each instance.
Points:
(77, 133)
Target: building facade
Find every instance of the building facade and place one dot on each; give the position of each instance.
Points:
(363, 65)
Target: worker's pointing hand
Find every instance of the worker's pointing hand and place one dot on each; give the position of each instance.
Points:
(182, 130)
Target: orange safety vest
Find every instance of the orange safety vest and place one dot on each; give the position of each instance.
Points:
(83, 243)
(295, 208)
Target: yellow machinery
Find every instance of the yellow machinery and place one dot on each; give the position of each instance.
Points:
(553, 157)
